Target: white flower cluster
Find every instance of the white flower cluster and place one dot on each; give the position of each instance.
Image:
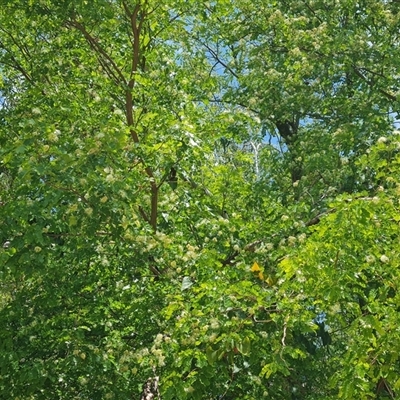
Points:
(157, 352)
(384, 259)
(54, 136)
(382, 139)
(370, 259)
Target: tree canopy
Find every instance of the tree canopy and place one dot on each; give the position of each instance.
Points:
(199, 200)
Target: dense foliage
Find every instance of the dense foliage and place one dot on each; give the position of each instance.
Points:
(199, 200)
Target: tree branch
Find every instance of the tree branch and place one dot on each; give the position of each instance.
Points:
(16, 65)
(107, 62)
(218, 59)
(372, 84)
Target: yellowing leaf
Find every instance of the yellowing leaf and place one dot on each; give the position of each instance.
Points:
(246, 345)
(255, 267)
(269, 280)
(288, 267)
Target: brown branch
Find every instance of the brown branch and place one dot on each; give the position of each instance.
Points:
(117, 76)
(103, 56)
(129, 115)
(166, 175)
(69, 190)
(23, 49)
(315, 220)
(218, 59)
(251, 247)
(66, 234)
(16, 65)
(135, 60)
(143, 214)
(154, 206)
(372, 84)
(136, 30)
(229, 260)
(383, 386)
(172, 19)
(313, 12)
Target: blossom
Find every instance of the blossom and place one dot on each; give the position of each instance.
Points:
(291, 240)
(370, 259)
(302, 237)
(384, 259)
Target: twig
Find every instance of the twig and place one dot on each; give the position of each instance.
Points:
(284, 334)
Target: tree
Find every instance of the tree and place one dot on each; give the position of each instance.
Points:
(149, 250)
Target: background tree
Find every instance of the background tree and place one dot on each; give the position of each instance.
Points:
(199, 195)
